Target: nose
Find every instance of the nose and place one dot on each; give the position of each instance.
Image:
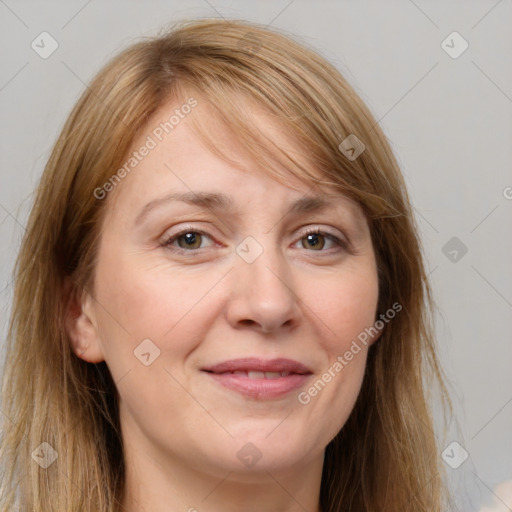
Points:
(262, 294)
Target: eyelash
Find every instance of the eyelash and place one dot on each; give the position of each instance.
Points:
(342, 245)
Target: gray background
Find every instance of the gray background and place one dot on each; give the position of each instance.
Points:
(449, 121)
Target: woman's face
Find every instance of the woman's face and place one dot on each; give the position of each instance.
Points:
(223, 322)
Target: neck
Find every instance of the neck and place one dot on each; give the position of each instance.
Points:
(155, 485)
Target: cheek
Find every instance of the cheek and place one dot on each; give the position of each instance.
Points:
(347, 305)
(155, 311)
(171, 308)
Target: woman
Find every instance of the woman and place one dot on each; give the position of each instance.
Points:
(220, 300)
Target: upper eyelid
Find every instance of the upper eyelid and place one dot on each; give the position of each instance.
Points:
(302, 230)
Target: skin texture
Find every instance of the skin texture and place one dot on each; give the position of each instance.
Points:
(181, 429)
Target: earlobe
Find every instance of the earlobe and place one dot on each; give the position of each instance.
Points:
(376, 330)
(375, 338)
(80, 325)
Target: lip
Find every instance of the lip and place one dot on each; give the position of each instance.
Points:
(258, 378)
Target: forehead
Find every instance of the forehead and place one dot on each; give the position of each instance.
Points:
(181, 161)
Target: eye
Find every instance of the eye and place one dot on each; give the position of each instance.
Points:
(192, 240)
(317, 240)
(187, 240)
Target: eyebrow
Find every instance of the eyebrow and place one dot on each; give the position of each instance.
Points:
(219, 201)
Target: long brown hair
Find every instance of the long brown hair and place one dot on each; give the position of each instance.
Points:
(385, 458)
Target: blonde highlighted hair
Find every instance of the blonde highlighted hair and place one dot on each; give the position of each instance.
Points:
(385, 458)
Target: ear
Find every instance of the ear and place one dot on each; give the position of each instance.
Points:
(379, 325)
(80, 323)
(375, 338)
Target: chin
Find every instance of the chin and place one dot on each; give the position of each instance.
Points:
(256, 451)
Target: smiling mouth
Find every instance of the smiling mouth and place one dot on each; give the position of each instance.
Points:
(257, 375)
(259, 379)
